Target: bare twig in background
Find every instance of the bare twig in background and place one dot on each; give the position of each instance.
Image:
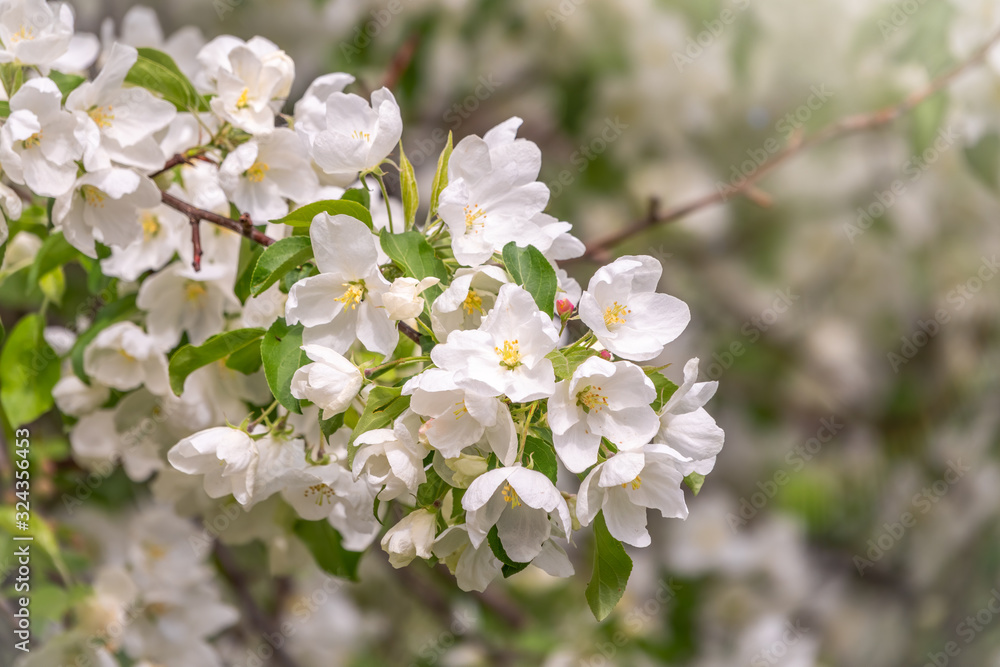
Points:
(260, 621)
(599, 249)
(401, 61)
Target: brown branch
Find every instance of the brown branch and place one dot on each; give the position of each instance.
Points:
(260, 621)
(196, 242)
(850, 125)
(401, 61)
(243, 226)
(179, 159)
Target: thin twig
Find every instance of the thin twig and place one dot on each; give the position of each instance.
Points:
(179, 159)
(196, 242)
(850, 125)
(242, 226)
(261, 622)
(401, 61)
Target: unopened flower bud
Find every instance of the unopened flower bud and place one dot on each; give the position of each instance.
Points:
(564, 307)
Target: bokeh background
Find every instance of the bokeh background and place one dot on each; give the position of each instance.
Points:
(849, 314)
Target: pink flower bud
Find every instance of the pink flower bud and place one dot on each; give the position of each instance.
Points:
(564, 307)
(605, 355)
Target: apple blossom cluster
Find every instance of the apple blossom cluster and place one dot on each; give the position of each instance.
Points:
(275, 328)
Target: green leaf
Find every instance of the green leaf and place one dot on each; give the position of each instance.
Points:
(529, 269)
(565, 363)
(984, 160)
(190, 358)
(325, 544)
(55, 252)
(359, 195)
(541, 456)
(440, 176)
(408, 186)
(12, 76)
(246, 360)
(664, 389)
(156, 71)
(695, 482)
(39, 529)
(612, 567)
(4, 109)
(282, 356)
(303, 217)
(278, 259)
(431, 491)
(384, 405)
(510, 567)
(116, 311)
(29, 369)
(250, 252)
(416, 257)
(66, 83)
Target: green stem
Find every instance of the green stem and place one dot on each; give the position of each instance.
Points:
(385, 198)
(524, 433)
(395, 362)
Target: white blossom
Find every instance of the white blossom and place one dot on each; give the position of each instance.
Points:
(623, 309)
(331, 382)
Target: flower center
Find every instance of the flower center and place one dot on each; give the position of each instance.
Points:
(150, 225)
(460, 409)
(194, 291)
(473, 303)
(615, 315)
(242, 102)
(589, 399)
(324, 494)
(21, 35)
(472, 215)
(126, 354)
(510, 496)
(155, 551)
(636, 483)
(510, 355)
(358, 134)
(34, 141)
(354, 294)
(102, 116)
(257, 171)
(93, 196)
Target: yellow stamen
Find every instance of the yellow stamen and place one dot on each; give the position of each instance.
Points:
(150, 225)
(589, 399)
(322, 492)
(358, 134)
(462, 409)
(636, 483)
(510, 496)
(510, 355)
(243, 102)
(257, 172)
(126, 355)
(155, 551)
(194, 291)
(615, 315)
(93, 196)
(473, 303)
(102, 115)
(34, 141)
(354, 294)
(21, 35)
(472, 215)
